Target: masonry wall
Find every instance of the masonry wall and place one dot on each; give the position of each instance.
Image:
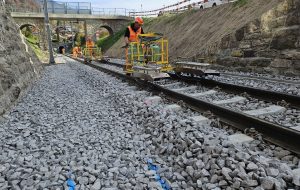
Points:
(18, 64)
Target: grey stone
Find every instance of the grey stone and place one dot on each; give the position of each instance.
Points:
(249, 183)
(223, 183)
(296, 177)
(272, 172)
(204, 173)
(242, 156)
(83, 180)
(199, 183)
(252, 167)
(225, 172)
(199, 164)
(268, 182)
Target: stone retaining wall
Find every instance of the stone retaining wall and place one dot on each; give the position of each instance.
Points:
(269, 44)
(18, 64)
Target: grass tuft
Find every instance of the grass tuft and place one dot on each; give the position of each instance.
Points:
(106, 43)
(240, 3)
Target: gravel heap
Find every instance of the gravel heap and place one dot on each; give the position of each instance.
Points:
(81, 120)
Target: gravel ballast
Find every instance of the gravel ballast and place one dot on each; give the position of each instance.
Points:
(76, 119)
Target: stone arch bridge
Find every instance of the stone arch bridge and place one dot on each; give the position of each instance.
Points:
(91, 22)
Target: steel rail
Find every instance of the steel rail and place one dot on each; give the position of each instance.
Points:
(263, 94)
(276, 134)
(262, 79)
(266, 95)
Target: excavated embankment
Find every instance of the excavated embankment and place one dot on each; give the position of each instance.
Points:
(261, 36)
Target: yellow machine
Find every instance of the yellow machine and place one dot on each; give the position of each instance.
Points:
(149, 58)
(92, 54)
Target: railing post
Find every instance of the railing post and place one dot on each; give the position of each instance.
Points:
(53, 11)
(91, 9)
(78, 8)
(65, 8)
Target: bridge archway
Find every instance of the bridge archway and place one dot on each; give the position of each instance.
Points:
(102, 31)
(108, 28)
(30, 26)
(31, 32)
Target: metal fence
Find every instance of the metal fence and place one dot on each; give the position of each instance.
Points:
(179, 7)
(111, 11)
(56, 7)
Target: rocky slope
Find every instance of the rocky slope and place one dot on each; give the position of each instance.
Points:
(18, 64)
(261, 36)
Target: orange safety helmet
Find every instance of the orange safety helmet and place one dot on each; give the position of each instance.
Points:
(139, 20)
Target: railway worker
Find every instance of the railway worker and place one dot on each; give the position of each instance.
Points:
(90, 45)
(75, 51)
(132, 31)
(79, 52)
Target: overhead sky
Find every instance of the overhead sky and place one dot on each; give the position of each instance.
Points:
(129, 4)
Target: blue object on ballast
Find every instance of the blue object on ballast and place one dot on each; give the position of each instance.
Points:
(71, 184)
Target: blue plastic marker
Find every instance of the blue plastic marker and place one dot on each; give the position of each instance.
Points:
(70, 182)
(162, 182)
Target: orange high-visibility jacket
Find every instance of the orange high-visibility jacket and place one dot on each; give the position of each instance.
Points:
(134, 35)
(90, 44)
(75, 50)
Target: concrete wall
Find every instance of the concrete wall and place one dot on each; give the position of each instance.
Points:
(18, 64)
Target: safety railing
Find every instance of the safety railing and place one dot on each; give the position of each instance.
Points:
(112, 11)
(179, 7)
(56, 7)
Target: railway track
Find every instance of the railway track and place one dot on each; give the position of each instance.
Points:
(259, 78)
(230, 109)
(264, 94)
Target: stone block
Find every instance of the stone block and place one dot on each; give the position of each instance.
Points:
(281, 63)
(290, 54)
(258, 61)
(296, 64)
(285, 38)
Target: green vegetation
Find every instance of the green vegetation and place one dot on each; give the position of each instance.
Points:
(103, 34)
(240, 3)
(176, 18)
(80, 39)
(148, 21)
(106, 43)
(33, 42)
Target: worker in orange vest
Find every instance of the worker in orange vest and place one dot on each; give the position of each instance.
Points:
(132, 31)
(79, 52)
(131, 35)
(90, 45)
(75, 51)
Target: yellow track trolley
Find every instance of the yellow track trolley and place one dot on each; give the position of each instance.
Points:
(148, 59)
(92, 54)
